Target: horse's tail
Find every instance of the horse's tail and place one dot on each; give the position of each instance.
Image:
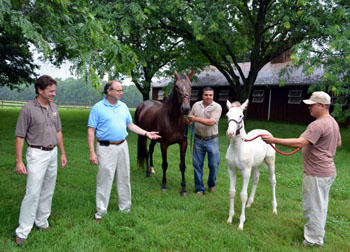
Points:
(137, 112)
(141, 140)
(141, 150)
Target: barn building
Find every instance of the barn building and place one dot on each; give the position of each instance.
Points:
(268, 101)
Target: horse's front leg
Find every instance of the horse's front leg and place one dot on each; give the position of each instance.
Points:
(150, 153)
(164, 149)
(244, 194)
(232, 172)
(183, 147)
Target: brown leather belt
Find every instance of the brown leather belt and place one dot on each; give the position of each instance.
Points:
(206, 138)
(48, 148)
(108, 142)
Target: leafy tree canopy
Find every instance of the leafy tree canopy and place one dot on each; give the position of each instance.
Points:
(158, 49)
(16, 61)
(61, 30)
(332, 52)
(228, 32)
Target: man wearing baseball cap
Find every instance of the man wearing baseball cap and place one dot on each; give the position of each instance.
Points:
(319, 143)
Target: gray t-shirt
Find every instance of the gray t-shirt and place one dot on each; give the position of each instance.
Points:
(318, 156)
(38, 125)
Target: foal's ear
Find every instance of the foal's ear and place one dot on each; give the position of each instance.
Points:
(190, 75)
(228, 104)
(177, 76)
(245, 105)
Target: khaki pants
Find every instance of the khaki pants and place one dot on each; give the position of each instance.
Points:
(315, 207)
(113, 160)
(41, 182)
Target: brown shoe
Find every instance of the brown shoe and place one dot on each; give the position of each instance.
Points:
(97, 220)
(19, 241)
(44, 229)
(212, 189)
(199, 193)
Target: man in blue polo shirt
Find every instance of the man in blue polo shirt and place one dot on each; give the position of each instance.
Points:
(109, 119)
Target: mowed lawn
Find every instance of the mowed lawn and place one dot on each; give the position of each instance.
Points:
(166, 221)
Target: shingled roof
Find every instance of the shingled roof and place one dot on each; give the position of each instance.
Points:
(268, 75)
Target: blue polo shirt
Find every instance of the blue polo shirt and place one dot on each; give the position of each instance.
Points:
(110, 121)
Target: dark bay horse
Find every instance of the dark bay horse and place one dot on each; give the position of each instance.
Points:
(168, 119)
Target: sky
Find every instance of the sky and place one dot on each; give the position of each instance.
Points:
(55, 72)
(63, 71)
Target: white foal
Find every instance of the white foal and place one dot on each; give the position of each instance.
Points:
(246, 156)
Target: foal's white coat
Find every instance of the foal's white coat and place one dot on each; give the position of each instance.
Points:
(245, 157)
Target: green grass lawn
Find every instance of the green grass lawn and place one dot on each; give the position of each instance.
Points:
(166, 221)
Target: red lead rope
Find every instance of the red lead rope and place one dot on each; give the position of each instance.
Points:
(280, 152)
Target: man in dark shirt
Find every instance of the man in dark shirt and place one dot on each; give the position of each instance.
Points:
(39, 124)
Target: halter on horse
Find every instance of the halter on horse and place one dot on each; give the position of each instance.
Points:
(168, 119)
(246, 157)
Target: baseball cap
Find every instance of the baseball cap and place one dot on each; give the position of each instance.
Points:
(318, 97)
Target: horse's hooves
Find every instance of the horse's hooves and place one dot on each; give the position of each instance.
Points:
(153, 171)
(164, 189)
(183, 193)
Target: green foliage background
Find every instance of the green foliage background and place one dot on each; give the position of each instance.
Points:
(165, 221)
(74, 92)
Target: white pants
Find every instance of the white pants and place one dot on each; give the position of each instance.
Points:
(113, 160)
(41, 182)
(315, 206)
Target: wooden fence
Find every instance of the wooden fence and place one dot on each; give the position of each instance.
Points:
(19, 104)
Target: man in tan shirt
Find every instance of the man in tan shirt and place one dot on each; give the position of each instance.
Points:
(205, 114)
(319, 142)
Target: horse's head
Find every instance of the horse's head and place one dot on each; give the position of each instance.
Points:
(182, 91)
(235, 117)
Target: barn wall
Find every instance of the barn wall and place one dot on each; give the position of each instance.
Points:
(280, 109)
(155, 93)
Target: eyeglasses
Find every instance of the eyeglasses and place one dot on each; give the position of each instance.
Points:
(117, 90)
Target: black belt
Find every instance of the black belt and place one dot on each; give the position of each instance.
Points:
(206, 138)
(48, 148)
(107, 143)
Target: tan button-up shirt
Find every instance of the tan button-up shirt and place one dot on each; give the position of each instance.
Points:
(212, 111)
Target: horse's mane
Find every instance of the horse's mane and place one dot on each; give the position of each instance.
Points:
(172, 98)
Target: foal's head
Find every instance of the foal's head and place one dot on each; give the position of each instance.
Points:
(182, 91)
(235, 118)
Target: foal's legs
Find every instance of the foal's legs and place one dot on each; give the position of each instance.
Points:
(270, 162)
(164, 149)
(256, 175)
(244, 194)
(232, 172)
(150, 153)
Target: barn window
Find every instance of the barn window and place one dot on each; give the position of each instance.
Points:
(224, 94)
(194, 95)
(160, 95)
(341, 99)
(294, 96)
(258, 96)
